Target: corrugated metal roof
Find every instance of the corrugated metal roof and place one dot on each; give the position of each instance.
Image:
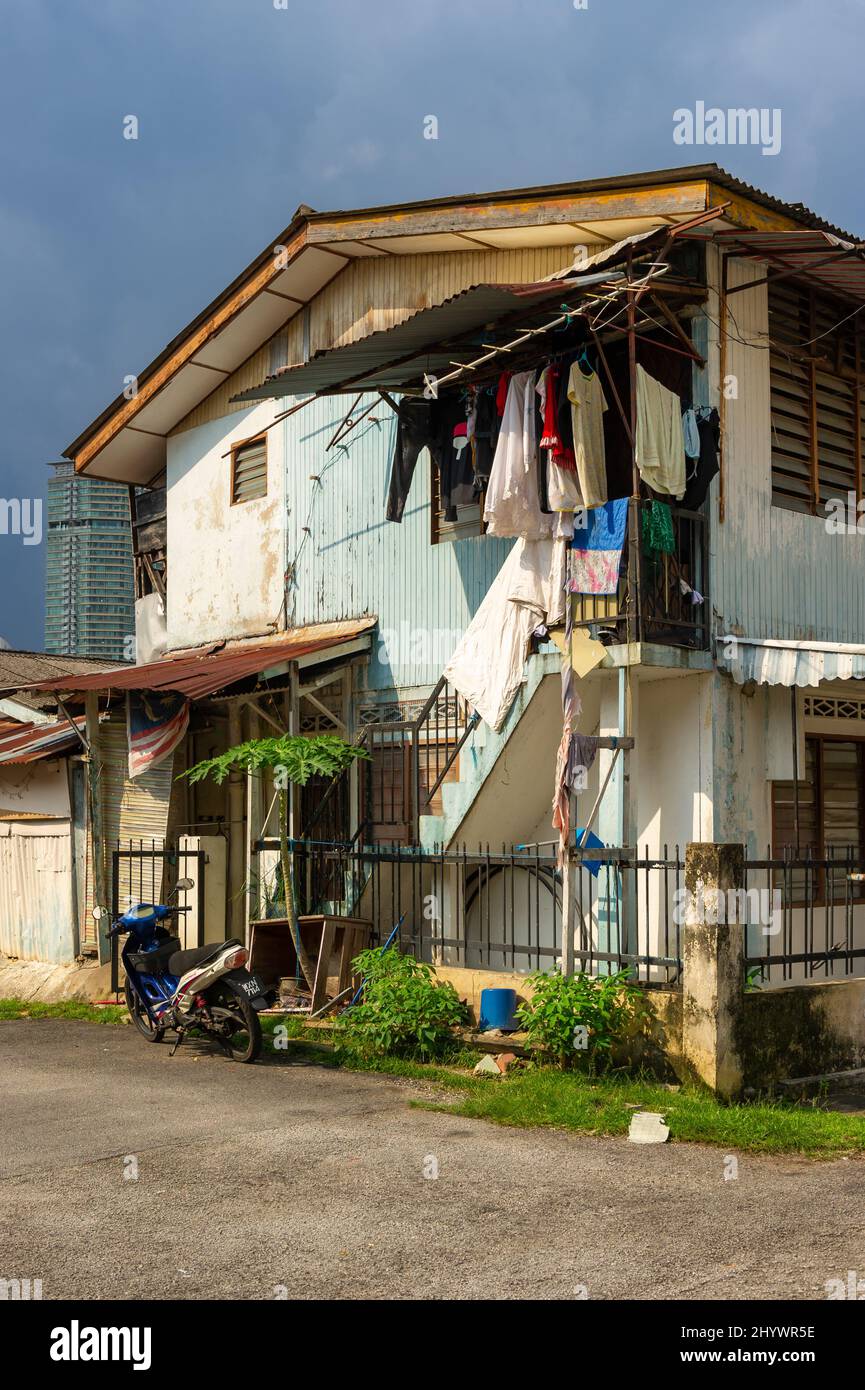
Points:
(837, 265)
(19, 670)
(27, 743)
(200, 673)
(393, 356)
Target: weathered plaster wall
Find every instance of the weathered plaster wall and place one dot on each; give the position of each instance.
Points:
(40, 788)
(226, 562)
(803, 1030)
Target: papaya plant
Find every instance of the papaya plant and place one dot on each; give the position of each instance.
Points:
(293, 759)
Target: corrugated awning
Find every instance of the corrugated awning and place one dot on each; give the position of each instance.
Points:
(201, 673)
(769, 662)
(434, 341)
(27, 743)
(428, 342)
(836, 265)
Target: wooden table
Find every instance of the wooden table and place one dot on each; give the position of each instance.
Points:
(272, 952)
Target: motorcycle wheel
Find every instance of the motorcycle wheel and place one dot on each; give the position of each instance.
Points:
(141, 1018)
(239, 1026)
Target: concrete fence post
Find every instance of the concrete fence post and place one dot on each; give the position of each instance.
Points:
(713, 985)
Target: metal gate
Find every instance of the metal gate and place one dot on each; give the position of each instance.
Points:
(145, 871)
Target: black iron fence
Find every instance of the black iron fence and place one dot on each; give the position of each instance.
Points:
(502, 910)
(804, 915)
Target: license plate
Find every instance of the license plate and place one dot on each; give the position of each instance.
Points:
(252, 987)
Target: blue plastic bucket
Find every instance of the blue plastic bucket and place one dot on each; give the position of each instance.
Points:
(497, 1010)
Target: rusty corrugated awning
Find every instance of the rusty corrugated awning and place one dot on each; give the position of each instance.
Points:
(821, 257)
(200, 673)
(27, 743)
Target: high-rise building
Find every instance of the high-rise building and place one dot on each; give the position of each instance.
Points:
(89, 580)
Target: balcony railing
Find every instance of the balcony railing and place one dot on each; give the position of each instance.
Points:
(661, 598)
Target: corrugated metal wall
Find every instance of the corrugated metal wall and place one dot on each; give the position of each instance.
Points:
(132, 808)
(352, 561)
(36, 890)
(776, 573)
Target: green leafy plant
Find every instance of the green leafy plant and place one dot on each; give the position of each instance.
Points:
(404, 1011)
(753, 978)
(576, 1019)
(293, 759)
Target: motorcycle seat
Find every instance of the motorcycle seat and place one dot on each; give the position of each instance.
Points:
(182, 961)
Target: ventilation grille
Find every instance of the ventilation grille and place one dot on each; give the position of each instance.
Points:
(833, 707)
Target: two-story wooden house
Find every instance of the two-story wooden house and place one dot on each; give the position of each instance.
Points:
(274, 589)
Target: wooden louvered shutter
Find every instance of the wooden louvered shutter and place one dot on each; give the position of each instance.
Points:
(249, 470)
(817, 410)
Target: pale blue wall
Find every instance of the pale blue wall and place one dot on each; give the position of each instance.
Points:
(352, 561)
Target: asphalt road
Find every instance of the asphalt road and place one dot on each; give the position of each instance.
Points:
(286, 1179)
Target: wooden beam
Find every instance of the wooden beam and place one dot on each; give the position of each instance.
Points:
(501, 213)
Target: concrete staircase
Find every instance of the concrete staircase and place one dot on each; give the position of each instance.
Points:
(479, 755)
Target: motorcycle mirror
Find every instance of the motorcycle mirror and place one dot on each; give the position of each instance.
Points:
(98, 912)
(184, 883)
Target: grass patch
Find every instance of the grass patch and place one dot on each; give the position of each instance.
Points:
(547, 1098)
(67, 1008)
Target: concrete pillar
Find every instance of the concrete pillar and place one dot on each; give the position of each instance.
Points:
(713, 982)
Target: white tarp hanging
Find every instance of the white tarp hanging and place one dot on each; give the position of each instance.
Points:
(771, 662)
(487, 666)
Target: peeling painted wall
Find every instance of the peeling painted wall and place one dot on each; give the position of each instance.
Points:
(225, 563)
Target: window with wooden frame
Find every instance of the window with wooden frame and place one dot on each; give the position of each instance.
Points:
(831, 797)
(817, 366)
(470, 519)
(249, 470)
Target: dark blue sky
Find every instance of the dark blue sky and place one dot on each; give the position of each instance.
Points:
(110, 246)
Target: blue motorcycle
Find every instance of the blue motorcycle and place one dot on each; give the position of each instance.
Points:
(206, 990)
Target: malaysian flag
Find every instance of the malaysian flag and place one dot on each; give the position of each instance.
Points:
(156, 724)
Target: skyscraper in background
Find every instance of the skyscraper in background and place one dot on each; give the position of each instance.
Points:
(89, 580)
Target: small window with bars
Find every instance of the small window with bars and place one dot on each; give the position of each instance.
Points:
(816, 360)
(249, 470)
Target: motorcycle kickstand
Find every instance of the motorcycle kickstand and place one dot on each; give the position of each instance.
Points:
(181, 1034)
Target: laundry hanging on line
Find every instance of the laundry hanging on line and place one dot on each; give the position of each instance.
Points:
(707, 465)
(660, 440)
(513, 506)
(599, 537)
(442, 427)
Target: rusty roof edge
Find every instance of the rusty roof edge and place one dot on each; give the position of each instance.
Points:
(278, 647)
(683, 173)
